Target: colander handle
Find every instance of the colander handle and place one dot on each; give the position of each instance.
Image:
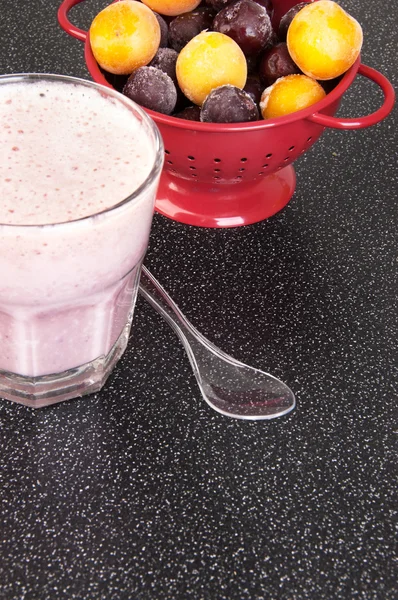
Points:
(361, 122)
(66, 25)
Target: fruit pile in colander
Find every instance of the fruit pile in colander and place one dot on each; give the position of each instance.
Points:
(221, 61)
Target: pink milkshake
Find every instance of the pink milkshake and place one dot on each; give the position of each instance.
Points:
(79, 169)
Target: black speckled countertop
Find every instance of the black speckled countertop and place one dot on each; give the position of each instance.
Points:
(142, 491)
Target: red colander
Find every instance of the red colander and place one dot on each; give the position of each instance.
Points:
(226, 175)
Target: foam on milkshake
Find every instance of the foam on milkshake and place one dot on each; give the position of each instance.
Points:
(65, 155)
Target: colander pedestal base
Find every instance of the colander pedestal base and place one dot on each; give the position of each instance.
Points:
(224, 205)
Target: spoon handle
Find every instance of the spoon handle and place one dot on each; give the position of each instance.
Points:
(156, 295)
(159, 299)
(197, 346)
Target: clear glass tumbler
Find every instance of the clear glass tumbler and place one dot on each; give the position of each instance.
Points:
(68, 286)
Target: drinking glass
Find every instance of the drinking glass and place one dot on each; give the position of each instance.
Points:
(68, 289)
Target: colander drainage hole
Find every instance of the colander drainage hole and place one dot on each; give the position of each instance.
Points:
(192, 168)
(170, 162)
(167, 151)
(243, 160)
(265, 166)
(268, 155)
(217, 160)
(291, 148)
(191, 158)
(242, 169)
(309, 139)
(217, 170)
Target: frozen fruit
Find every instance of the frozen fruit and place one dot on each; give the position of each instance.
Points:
(324, 40)
(329, 84)
(116, 81)
(189, 113)
(165, 59)
(153, 89)
(289, 94)
(164, 31)
(287, 19)
(209, 60)
(254, 88)
(218, 4)
(247, 23)
(252, 64)
(267, 5)
(276, 62)
(172, 8)
(124, 36)
(184, 27)
(228, 104)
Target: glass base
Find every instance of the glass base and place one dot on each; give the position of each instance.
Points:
(38, 392)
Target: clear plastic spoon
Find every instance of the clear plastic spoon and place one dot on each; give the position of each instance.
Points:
(228, 386)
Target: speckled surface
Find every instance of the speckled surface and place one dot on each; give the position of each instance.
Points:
(142, 491)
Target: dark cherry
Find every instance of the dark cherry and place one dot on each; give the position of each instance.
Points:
(252, 64)
(267, 5)
(153, 89)
(288, 18)
(218, 4)
(186, 26)
(164, 31)
(165, 59)
(329, 84)
(276, 62)
(190, 113)
(253, 61)
(116, 81)
(254, 88)
(247, 23)
(228, 104)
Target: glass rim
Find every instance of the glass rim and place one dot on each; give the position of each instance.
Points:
(110, 92)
